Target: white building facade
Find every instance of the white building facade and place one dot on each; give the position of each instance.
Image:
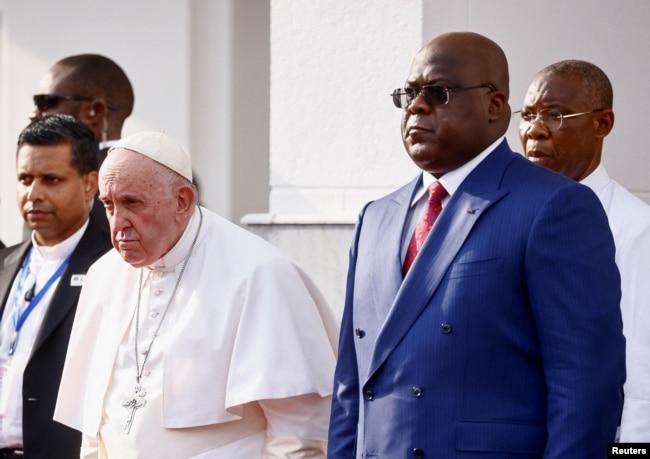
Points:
(284, 104)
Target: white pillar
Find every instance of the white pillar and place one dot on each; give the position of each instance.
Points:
(335, 135)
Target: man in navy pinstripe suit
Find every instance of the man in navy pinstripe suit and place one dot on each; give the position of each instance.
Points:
(504, 338)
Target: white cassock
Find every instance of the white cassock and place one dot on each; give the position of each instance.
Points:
(242, 366)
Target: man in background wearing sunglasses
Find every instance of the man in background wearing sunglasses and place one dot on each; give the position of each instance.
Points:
(93, 89)
(566, 115)
(96, 91)
(498, 333)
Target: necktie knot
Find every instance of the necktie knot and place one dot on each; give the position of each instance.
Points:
(437, 193)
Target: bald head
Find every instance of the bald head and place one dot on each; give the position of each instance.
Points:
(476, 54)
(98, 75)
(473, 71)
(96, 91)
(476, 58)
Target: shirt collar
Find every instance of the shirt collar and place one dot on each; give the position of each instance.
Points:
(58, 251)
(452, 179)
(598, 179)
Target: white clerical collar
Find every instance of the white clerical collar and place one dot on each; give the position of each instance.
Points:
(452, 179)
(178, 253)
(58, 251)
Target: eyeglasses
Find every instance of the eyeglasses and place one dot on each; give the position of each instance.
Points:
(550, 118)
(46, 101)
(433, 95)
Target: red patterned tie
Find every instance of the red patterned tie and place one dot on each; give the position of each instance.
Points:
(437, 193)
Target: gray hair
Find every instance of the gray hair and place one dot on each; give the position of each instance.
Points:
(595, 83)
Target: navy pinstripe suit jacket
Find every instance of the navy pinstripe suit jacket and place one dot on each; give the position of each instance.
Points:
(504, 339)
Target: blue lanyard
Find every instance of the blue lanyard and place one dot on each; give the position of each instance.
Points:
(20, 318)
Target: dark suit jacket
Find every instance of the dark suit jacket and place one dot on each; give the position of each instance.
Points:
(44, 438)
(504, 339)
(98, 215)
(98, 212)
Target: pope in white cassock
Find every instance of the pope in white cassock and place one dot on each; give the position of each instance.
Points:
(193, 338)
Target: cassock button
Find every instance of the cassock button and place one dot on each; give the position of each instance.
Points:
(369, 395)
(417, 452)
(359, 333)
(446, 328)
(417, 391)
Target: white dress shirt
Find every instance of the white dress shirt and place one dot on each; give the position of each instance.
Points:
(43, 263)
(451, 181)
(629, 220)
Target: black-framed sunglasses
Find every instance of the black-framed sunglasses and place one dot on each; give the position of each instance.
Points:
(47, 101)
(433, 94)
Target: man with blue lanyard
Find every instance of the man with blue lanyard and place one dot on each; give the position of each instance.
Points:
(40, 280)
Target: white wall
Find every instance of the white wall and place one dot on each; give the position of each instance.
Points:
(334, 132)
(335, 136)
(35, 34)
(612, 34)
(199, 68)
(335, 140)
(229, 105)
(323, 127)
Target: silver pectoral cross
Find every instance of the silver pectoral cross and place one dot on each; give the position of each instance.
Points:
(133, 403)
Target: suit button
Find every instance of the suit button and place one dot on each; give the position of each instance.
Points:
(417, 452)
(360, 333)
(417, 391)
(446, 328)
(369, 395)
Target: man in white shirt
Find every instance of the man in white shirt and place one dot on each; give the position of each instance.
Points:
(40, 280)
(566, 115)
(206, 343)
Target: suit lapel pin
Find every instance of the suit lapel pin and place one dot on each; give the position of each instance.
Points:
(471, 211)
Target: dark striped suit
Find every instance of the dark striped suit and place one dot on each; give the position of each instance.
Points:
(505, 338)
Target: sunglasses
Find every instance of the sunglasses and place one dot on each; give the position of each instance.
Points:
(47, 101)
(433, 94)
